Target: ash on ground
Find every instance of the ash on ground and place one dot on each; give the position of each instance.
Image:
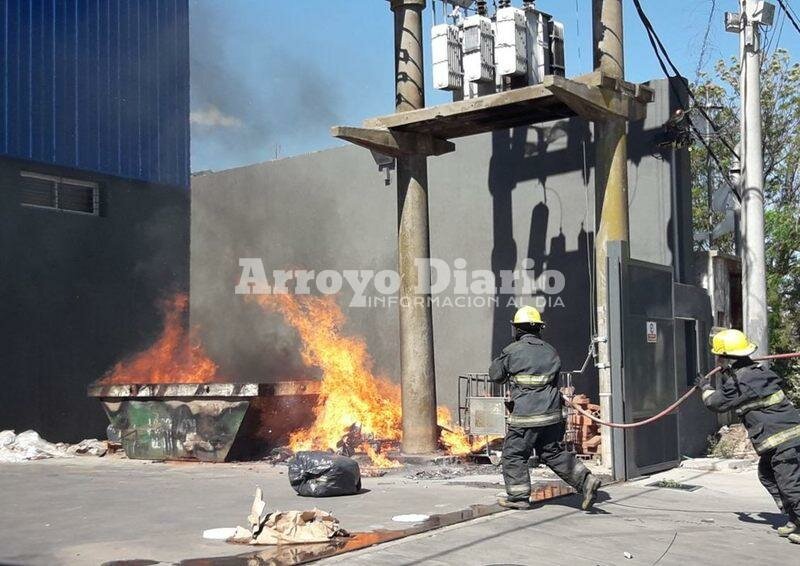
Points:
(439, 472)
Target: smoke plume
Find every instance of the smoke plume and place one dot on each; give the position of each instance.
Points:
(252, 92)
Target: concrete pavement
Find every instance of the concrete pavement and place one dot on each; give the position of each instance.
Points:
(729, 521)
(90, 511)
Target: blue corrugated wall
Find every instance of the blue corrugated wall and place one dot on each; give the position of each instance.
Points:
(100, 85)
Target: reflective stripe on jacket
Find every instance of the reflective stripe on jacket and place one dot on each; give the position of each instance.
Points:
(762, 403)
(771, 442)
(532, 421)
(523, 380)
(755, 393)
(530, 366)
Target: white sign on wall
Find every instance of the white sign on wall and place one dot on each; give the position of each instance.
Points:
(652, 332)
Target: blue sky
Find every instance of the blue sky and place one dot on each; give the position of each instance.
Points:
(269, 77)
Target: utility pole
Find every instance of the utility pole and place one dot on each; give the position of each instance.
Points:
(418, 381)
(754, 276)
(709, 181)
(611, 191)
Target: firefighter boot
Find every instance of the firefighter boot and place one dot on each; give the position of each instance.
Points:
(788, 529)
(521, 505)
(590, 486)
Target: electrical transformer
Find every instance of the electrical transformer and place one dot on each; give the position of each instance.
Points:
(511, 42)
(478, 49)
(558, 64)
(448, 72)
(545, 46)
(538, 46)
(477, 55)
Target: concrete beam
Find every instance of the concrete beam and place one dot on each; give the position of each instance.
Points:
(392, 142)
(602, 97)
(595, 96)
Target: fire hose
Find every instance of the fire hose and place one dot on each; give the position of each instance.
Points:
(677, 403)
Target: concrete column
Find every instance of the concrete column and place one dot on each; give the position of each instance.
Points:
(418, 380)
(754, 275)
(611, 192)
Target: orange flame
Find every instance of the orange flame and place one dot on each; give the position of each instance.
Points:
(379, 460)
(351, 393)
(175, 357)
(453, 437)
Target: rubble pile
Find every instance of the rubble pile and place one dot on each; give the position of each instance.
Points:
(586, 433)
(732, 442)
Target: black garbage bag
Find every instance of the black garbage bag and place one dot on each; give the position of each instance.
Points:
(324, 474)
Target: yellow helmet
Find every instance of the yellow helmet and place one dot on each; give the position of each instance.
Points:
(732, 342)
(527, 315)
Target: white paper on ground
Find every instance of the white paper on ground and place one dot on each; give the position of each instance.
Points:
(223, 533)
(411, 518)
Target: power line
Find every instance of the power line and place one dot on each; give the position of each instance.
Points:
(658, 45)
(790, 14)
(706, 35)
(770, 35)
(655, 42)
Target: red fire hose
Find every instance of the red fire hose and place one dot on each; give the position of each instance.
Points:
(676, 404)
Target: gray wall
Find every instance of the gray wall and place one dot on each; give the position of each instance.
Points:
(498, 199)
(79, 293)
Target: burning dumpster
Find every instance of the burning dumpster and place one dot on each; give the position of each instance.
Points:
(209, 422)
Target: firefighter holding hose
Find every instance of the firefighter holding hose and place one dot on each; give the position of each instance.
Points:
(772, 422)
(531, 366)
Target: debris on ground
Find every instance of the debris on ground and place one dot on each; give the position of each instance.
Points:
(91, 447)
(434, 473)
(437, 472)
(279, 455)
(283, 527)
(350, 442)
(582, 432)
(372, 472)
(223, 533)
(28, 445)
(411, 518)
(323, 474)
(732, 442)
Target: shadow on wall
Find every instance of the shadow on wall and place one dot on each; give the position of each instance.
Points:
(516, 159)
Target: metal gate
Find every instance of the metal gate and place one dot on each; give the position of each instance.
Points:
(642, 348)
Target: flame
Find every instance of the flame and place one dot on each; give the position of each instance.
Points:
(351, 393)
(379, 460)
(455, 439)
(175, 357)
(453, 436)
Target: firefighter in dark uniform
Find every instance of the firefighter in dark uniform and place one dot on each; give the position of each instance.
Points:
(530, 366)
(772, 422)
